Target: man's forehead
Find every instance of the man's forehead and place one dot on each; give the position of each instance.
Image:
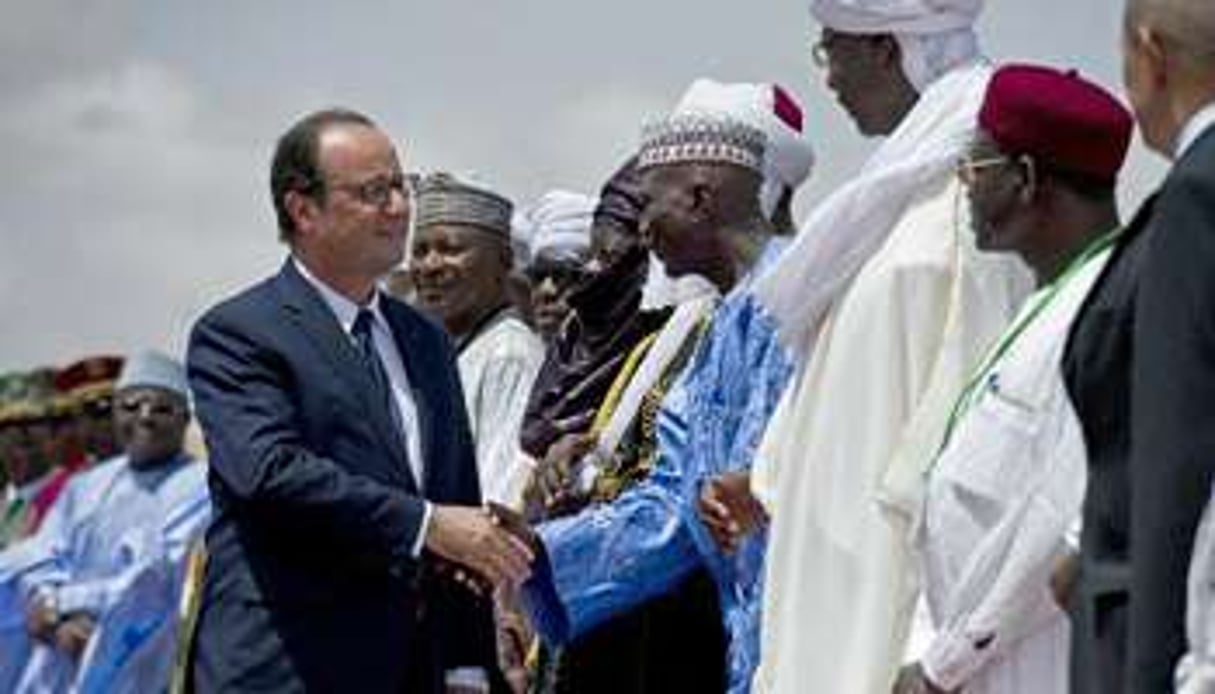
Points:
(149, 392)
(828, 35)
(355, 146)
(464, 234)
(662, 175)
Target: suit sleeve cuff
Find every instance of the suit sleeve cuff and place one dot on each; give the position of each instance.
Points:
(419, 540)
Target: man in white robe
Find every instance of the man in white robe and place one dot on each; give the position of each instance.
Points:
(1009, 478)
(130, 516)
(460, 263)
(886, 324)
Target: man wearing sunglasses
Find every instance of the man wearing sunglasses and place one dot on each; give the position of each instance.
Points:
(113, 523)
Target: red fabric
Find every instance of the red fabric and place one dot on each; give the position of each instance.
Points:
(786, 108)
(101, 369)
(1058, 117)
(53, 487)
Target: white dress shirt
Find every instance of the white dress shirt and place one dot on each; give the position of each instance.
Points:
(1194, 128)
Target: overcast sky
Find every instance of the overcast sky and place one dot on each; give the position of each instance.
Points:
(137, 134)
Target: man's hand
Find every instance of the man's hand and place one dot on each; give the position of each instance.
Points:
(72, 635)
(729, 511)
(912, 680)
(470, 536)
(514, 523)
(554, 481)
(41, 619)
(514, 641)
(1064, 578)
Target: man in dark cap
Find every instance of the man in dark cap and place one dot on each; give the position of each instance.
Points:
(1007, 482)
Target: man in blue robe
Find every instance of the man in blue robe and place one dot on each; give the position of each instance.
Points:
(124, 519)
(610, 558)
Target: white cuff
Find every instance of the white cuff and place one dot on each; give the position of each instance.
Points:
(419, 540)
(75, 599)
(468, 677)
(953, 659)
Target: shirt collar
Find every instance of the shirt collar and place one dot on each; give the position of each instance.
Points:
(342, 307)
(1198, 124)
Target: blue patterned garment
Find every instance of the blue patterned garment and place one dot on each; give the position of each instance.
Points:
(611, 558)
(112, 524)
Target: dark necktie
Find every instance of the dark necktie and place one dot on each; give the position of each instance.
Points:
(361, 330)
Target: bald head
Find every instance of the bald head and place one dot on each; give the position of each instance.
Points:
(1189, 24)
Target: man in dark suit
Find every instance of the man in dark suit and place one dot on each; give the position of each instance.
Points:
(1141, 373)
(1169, 54)
(342, 471)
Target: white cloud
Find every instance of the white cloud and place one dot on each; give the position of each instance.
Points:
(121, 213)
(137, 133)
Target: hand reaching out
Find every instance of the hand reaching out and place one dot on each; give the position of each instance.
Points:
(472, 537)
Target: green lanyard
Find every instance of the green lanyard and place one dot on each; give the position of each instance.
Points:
(970, 394)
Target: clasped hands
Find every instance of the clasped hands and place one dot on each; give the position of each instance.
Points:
(68, 633)
(492, 542)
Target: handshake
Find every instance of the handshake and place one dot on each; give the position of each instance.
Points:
(493, 542)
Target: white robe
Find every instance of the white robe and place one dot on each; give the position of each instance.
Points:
(1001, 497)
(1196, 670)
(840, 467)
(497, 369)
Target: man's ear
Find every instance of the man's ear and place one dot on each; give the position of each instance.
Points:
(302, 209)
(702, 191)
(1029, 177)
(890, 53)
(1152, 49)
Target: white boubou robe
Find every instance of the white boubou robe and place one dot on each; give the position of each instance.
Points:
(1001, 496)
(840, 468)
(497, 368)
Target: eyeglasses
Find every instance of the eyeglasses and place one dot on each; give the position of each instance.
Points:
(376, 192)
(968, 169)
(820, 52)
(831, 43)
(563, 275)
(156, 406)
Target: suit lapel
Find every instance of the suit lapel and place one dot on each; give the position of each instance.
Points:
(306, 309)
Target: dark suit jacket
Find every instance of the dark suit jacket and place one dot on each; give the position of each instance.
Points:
(1097, 371)
(1173, 406)
(310, 583)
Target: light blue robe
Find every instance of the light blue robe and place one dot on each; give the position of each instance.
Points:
(610, 558)
(111, 525)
